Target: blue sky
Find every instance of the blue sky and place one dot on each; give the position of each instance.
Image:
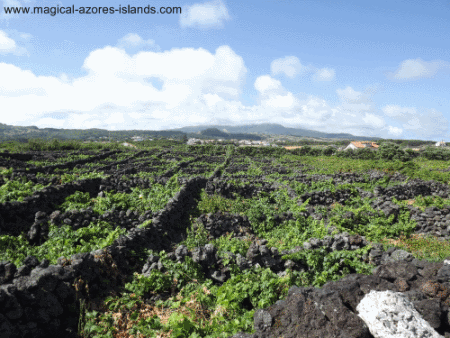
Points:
(370, 68)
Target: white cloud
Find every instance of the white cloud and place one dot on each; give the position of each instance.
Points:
(265, 83)
(115, 118)
(413, 69)
(211, 14)
(357, 113)
(114, 89)
(64, 78)
(324, 74)
(133, 40)
(356, 102)
(25, 36)
(427, 123)
(198, 87)
(287, 101)
(403, 114)
(50, 122)
(350, 95)
(394, 131)
(374, 121)
(9, 46)
(289, 65)
(212, 99)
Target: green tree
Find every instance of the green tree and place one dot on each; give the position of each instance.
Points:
(391, 151)
(328, 151)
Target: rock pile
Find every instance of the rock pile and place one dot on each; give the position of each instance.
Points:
(68, 165)
(391, 314)
(326, 197)
(38, 299)
(226, 189)
(412, 189)
(432, 220)
(19, 215)
(332, 311)
(219, 224)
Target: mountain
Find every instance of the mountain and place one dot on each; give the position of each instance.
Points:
(273, 129)
(249, 132)
(216, 133)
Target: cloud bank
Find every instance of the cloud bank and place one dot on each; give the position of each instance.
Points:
(291, 67)
(211, 14)
(9, 46)
(196, 87)
(414, 69)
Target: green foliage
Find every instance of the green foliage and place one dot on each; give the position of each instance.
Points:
(181, 325)
(77, 200)
(67, 177)
(301, 188)
(360, 154)
(234, 245)
(327, 151)
(178, 274)
(62, 241)
(428, 201)
(372, 224)
(324, 267)
(247, 290)
(261, 151)
(53, 145)
(16, 190)
(230, 150)
(6, 172)
(61, 160)
(196, 238)
(392, 151)
(255, 288)
(214, 203)
(436, 153)
(140, 200)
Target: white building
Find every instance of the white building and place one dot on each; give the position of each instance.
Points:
(440, 144)
(361, 145)
(126, 144)
(193, 141)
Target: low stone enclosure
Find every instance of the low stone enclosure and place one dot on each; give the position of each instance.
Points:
(42, 300)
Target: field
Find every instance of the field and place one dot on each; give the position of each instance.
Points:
(198, 237)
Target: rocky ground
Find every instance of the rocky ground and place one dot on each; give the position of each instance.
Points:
(38, 299)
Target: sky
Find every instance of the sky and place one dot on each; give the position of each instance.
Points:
(369, 68)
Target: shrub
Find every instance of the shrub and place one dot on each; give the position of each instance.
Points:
(327, 151)
(436, 153)
(392, 151)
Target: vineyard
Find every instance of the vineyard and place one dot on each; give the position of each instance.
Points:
(211, 241)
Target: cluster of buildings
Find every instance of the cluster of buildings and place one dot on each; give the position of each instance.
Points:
(373, 145)
(241, 143)
(353, 145)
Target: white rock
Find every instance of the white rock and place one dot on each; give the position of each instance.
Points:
(390, 314)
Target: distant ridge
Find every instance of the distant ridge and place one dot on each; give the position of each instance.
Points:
(250, 132)
(274, 129)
